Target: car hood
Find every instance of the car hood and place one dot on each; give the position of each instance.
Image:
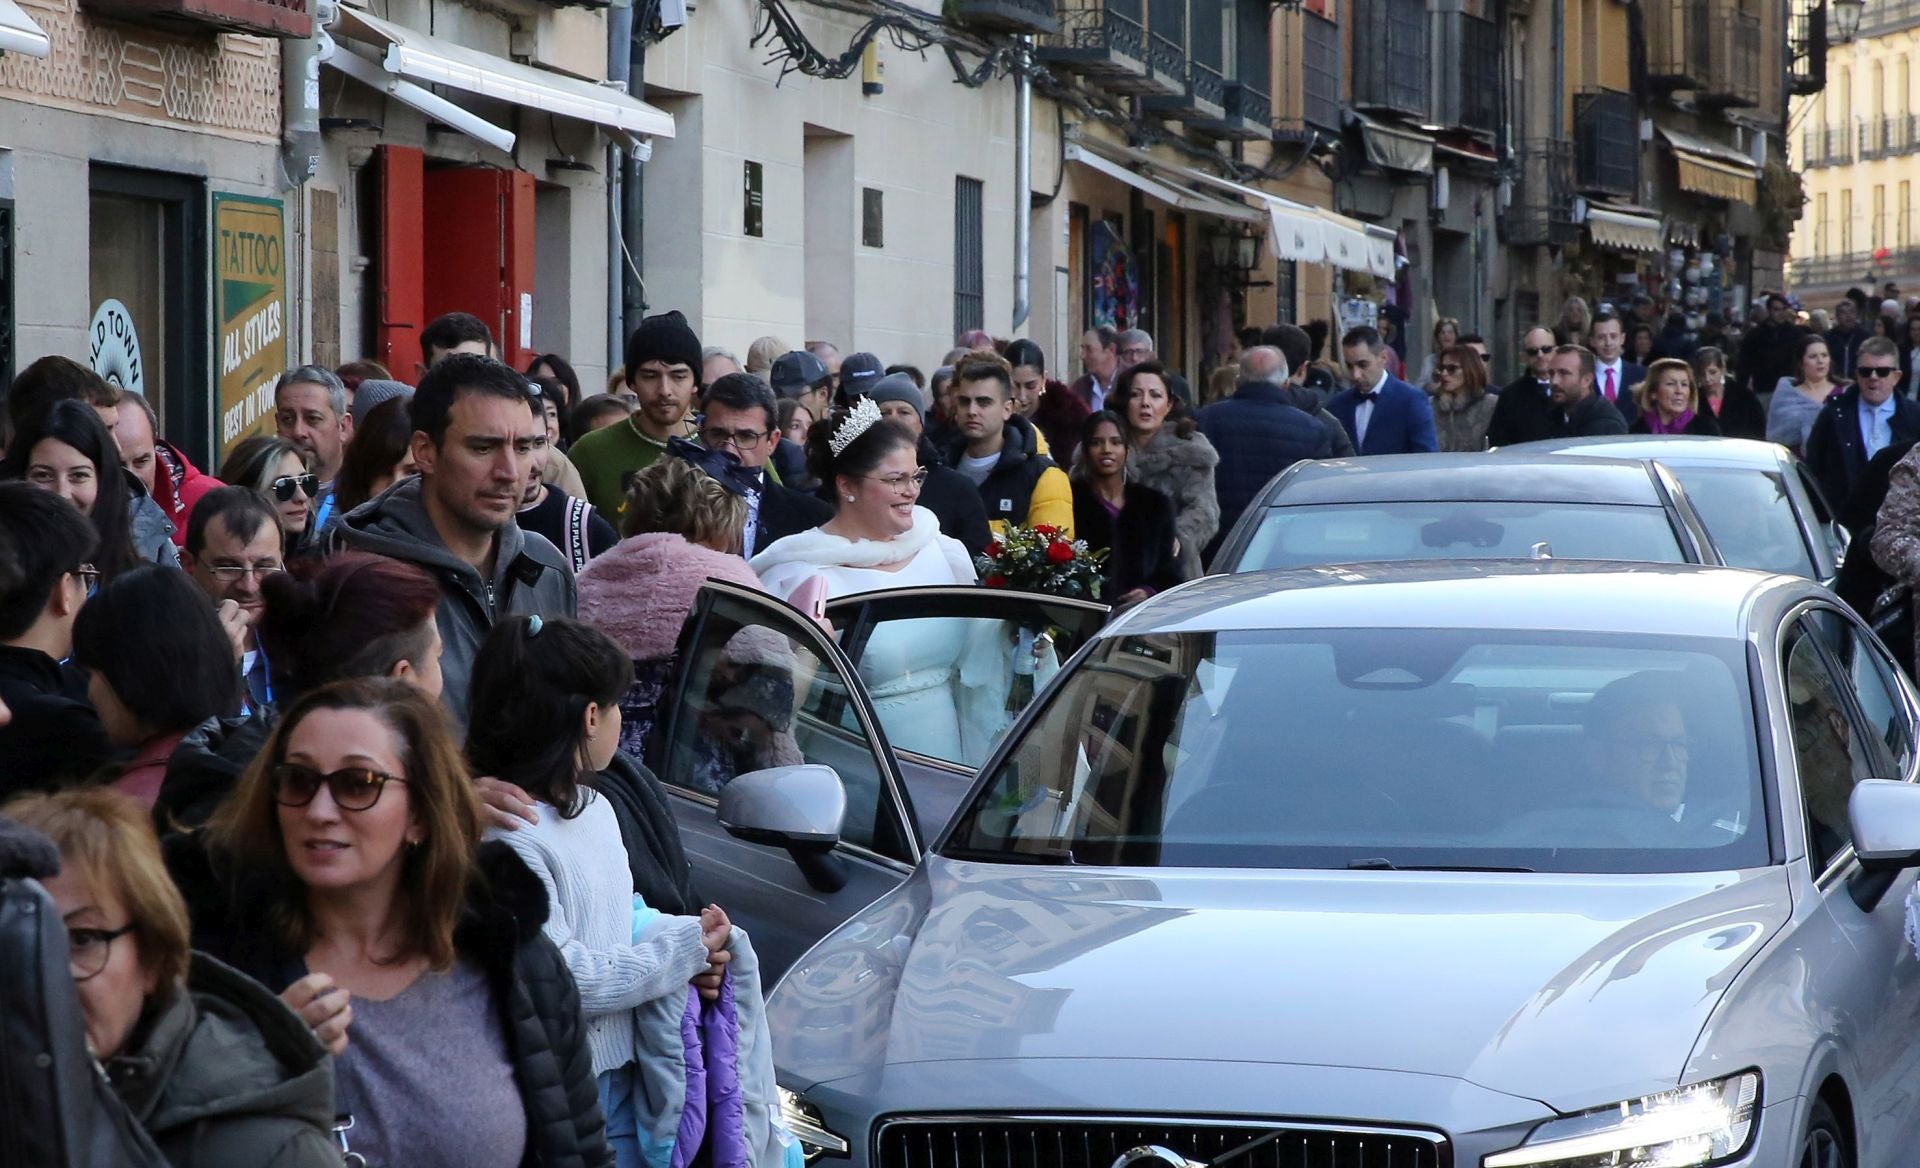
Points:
(1572, 990)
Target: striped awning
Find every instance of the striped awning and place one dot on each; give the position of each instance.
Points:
(1624, 230)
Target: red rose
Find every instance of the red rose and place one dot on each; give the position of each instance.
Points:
(1046, 529)
(995, 581)
(994, 549)
(1060, 553)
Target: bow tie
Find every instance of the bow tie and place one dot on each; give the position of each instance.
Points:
(1366, 395)
(722, 465)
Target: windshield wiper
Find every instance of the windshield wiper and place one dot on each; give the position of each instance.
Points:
(1382, 864)
(1061, 856)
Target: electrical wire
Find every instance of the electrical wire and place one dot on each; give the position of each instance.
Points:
(906, 29)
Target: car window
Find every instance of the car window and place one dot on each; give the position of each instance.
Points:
(1375, 748)
(1831, 752)
(760, 691)
(1749, 516)
(1872, 678)
(947, 686)
(1301, 537)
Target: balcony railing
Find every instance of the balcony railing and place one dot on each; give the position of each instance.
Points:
(1884, 16)
(1540, 212)
(1246, 114)
(1873, 138)
(1707, 46)
(1201, 99)
(1390, 57)
(1733, 72)
(1677, 51)
(1807, 48)
(1466, 64)
(1016, 16)
(1607, 138)
(1104, 41)
(1856, 267)
(272, 18)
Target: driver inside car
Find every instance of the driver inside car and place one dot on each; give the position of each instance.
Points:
(1636, 743)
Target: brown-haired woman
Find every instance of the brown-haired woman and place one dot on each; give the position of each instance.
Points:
(1734, 407)
(1171, 456)
(1670, 402)
(1462, 407)
(348, 873)
(215, 1069)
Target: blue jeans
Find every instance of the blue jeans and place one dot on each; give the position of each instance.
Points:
(618, 1104)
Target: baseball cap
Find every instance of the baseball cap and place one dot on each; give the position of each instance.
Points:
(858, 371)
(797, 372)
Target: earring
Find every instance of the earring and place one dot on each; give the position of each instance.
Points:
(849, 498)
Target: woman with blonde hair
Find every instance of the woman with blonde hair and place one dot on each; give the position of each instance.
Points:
(344, 872)
(1462, 407)
(1575, 319)
(1669, 402)
(214, 1068)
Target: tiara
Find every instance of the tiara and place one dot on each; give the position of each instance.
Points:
(858, 421)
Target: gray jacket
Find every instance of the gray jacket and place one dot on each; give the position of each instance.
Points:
(224, 1074)
(152, 531)
(529, 576)
(1181, 468)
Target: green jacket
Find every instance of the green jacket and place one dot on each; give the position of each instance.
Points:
(222, 1075)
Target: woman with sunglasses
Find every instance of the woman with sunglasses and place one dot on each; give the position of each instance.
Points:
(278, 469)
(68, 450)
(214, 1068)
(349, 881)
(1462, 407)
(160, 663)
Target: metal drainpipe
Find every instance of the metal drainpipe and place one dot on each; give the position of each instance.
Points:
(633, 218)
(619, 36)
(1559, 70)
(300, 97)
(1023, 187)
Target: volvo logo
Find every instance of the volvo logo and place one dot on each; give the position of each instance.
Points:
(1155, 1156)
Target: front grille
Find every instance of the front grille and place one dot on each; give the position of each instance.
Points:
(1068, 1142)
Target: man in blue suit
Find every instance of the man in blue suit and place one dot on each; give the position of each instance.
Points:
(1381, 413)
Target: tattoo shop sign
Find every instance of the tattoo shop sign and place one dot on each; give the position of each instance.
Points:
(250, 288)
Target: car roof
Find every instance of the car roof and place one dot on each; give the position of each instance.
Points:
(1449, 478)
(1533, 595)
(1674, 450)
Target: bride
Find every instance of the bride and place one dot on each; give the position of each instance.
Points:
(878, 538)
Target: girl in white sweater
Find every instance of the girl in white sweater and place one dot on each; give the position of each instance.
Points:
(546, 717)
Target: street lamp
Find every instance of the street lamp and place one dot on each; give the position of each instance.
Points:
(1846, 19)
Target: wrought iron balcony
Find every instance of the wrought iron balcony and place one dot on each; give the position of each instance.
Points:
(1247, 114)
(1807, 48)
(1733, 69)
(1102, 40)
(1466, 72)
(1320, 74)
(1390, 58)
(1884, 16)
(1015, 16)
(1607, 140)
(1202, 99)
(1873, 138)
(271, 18)
(1166, 61)
(1540, 212)
(1709, 47)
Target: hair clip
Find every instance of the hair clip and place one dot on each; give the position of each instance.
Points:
(534, 625)
(858, 421)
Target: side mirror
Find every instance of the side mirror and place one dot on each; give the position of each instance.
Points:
(799, 808)
(1884, 817)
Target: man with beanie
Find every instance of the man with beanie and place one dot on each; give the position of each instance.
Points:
(376, 391)
(663, 365)
(950, 495)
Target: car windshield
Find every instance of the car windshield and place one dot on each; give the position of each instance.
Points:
(1301, 537)
(1379, 748)
(1749, 516)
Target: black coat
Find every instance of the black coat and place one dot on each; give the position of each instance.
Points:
(55, 738)
(1140, 540)
(500, 931)
(1594, 415)
(954, 501)
(1258, 433)
(206, 766)
(661, 875)
(783, 512)
(1837, 454)
(1741, 414)
(1524, 413)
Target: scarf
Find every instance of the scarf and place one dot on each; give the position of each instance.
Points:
(1677, 426)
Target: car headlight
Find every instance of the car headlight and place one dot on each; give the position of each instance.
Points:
(804, 1121)
(1706, 1123)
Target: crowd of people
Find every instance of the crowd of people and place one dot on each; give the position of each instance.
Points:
(344, 751)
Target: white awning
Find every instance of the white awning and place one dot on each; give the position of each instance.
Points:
(425, 100)
(1625, 230)
(1293, 229)
(1158, 181)
(19, 34)
(432, 61)
(1395, 148)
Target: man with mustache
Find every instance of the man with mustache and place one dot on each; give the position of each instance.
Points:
(663, 367)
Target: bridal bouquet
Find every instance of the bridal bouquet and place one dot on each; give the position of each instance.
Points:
(1042, 559)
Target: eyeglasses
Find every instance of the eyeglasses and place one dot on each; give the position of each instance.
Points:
(1648, 751)
(1446, 368)
(284, 486)
(234, 573)
(1539, 350)
(741, 439)
(899, 482)
(88, 950)
(89, 576)
(1878, 371)
(352, 788)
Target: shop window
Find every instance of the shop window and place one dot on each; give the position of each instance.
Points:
(872, 218)
(969, 255)
(1286, 286)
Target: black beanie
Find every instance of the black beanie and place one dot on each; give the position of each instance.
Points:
(667, 338)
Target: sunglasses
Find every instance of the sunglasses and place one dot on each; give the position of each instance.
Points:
(284, 486)
(352, 788)
(1446, 369)
(1878, 371)
(1539, 350)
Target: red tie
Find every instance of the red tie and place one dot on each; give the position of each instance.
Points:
(1610, 390)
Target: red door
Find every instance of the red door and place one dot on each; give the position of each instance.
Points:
(402, 260)
(478, 237)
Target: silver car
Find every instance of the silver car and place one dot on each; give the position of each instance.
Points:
(1464, 864)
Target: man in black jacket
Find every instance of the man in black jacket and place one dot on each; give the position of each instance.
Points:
(1258, 433)
(739, 418)
(1579, 411)
(1297, 347)
(1523, 413)
(1860, 423)
(1767, 352)
(950, 495)
(54, 736)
